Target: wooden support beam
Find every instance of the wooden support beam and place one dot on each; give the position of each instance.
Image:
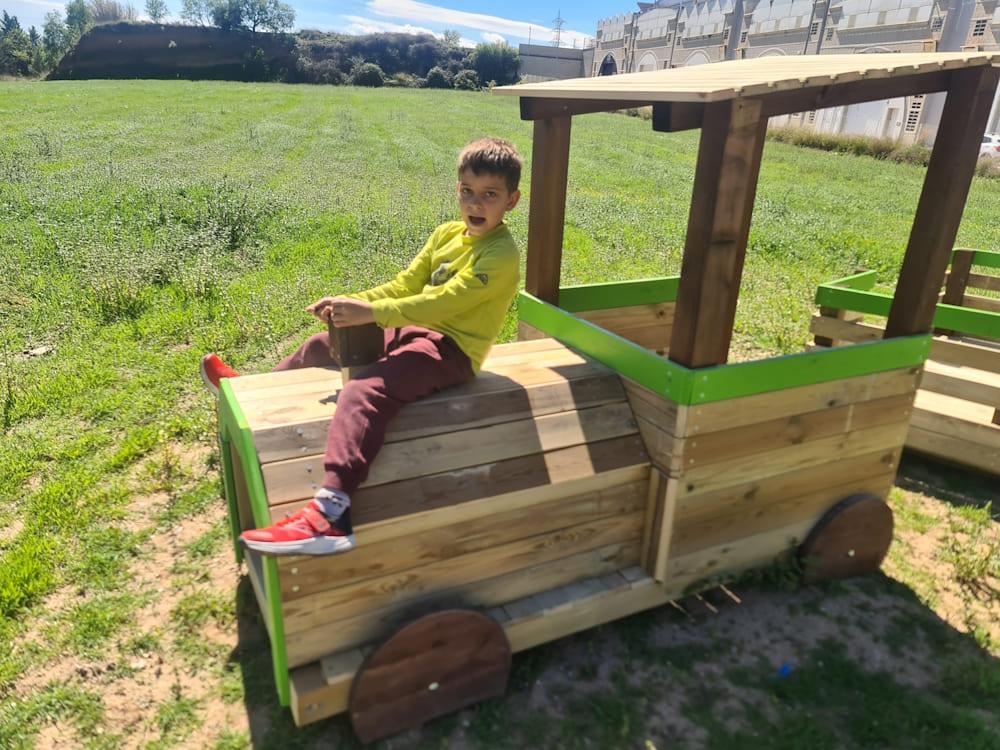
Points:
(671, 117)
(538, 108)
(958, 279)
(549, 171)
(718, 227)
(942, 200)
(869, 90)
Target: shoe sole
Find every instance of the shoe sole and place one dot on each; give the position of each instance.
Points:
(208, 383)
(317, 545)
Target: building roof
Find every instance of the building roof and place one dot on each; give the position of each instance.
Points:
(756, 77)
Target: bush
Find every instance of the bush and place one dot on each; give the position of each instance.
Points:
(405, 81)
(467, 80)
(367, 74)
(496, 62)
(438, 78)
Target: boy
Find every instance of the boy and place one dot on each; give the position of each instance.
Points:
(441, 315)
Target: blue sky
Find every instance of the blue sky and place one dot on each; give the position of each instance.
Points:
(482, 20)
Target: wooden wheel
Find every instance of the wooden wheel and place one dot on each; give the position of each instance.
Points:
(852, 538)
(435, 665)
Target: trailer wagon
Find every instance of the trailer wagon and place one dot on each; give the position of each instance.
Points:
(612, 460)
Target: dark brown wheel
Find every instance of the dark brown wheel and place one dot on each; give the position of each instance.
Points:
(437, 664)
(851, 539)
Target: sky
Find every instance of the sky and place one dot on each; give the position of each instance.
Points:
(514, 21)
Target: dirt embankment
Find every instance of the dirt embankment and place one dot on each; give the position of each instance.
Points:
(127, 50)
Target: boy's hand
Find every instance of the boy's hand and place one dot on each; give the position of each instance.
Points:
(342, 312)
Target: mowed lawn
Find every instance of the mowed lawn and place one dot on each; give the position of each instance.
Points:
(145, 223)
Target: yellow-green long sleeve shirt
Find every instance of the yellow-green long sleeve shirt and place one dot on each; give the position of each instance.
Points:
(458, 285)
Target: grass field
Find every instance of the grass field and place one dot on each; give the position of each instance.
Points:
(142, 224)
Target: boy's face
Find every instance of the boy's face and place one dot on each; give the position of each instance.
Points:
(484, 199)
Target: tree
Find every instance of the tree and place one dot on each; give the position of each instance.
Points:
(15, 52)
(496, 61)
(451, 39)
(267, 15)
(156, 10)
(227, 14)
(55, 38)
(33, 36)
(8, 24)
(110, 11)
(196, 12)
(77, 18)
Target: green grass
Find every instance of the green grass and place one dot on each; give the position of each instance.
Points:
(144, 223)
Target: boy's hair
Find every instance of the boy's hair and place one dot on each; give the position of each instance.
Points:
(492, 156)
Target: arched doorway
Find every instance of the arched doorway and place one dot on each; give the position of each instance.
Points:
(608, 67)
(647, 62)
(697, 58)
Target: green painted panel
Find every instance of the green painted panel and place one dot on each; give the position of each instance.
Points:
(661, 376)
(986, 258)
(243, 440)
(618, 294)
(862, 280)
(950, 317)
(819, 366)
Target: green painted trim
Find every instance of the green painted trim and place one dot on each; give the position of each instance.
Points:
(618, 294)
(229, 488)
(862, 280)
(808, 368)
(710, 384)
(986, 258)
(243, 440)
(659, 375)
(949, 317)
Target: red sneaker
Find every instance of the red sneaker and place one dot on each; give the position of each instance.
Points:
(213, 369)
(306, 532)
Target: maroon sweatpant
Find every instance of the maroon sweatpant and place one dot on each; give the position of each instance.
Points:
(416, 363)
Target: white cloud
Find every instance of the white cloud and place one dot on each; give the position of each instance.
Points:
(489, 36)
(361, 25)
(417, 11)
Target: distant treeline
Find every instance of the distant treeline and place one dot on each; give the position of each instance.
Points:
(249, 38)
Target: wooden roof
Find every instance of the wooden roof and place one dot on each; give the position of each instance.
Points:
(757, 77)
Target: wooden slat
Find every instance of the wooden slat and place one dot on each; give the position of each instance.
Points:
(457, 492)
(745, 469)
(939, 211)
(762, 513)
(375, 558)
(981, 281)
(958, 408)
(984, 434)
(295, 404)
(541, 109)
(464, 409)
(725, 184)
(954, 449)
(424, 581)
(695, 507)
(981, 303)
(664, 530)
(298, 478)
(792, 401)
(958, 277)
(979, 386)
(549, 170)
(966, 353)
(838, 330)
(776, 434)
(374, 625)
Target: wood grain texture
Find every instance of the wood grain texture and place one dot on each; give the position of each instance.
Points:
(546, 217)
(852, 538)
(436, 665)
(942, 200)
(725, 185)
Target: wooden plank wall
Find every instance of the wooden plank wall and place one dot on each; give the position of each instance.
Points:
(531, 477)
(956, 416)
(744, 479)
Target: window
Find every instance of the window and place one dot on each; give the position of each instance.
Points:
(829, 33)
(937, 24)
(725, 36)
(913, 114)
(814, 29)
(743, 37)
(979, 29)
(670, 37)
(811, 118)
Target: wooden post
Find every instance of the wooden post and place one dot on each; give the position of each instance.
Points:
(549, 171)
(725, 185)
(958, 280)
(355, 347)
(946, 187)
